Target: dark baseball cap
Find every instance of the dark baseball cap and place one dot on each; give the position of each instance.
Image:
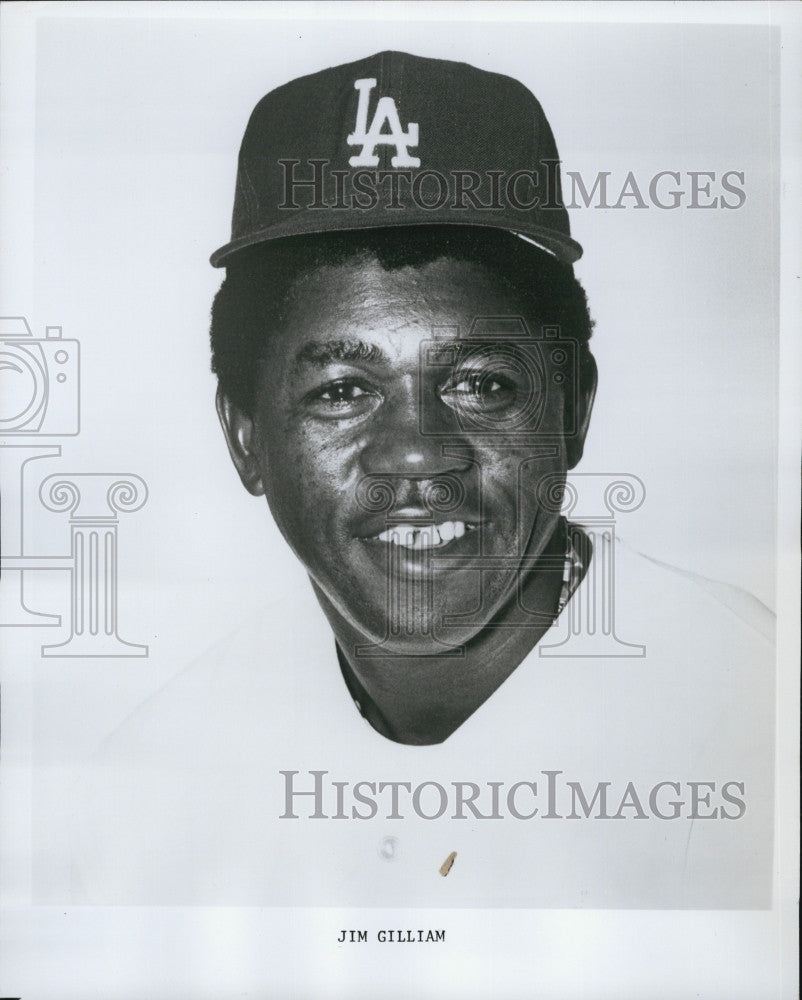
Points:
(399, 140)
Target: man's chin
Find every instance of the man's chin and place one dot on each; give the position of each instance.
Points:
(409, 630)
(428, 616)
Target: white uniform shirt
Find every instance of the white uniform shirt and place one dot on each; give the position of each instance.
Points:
(184, 801)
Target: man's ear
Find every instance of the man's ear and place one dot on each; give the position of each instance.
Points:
(241, 435)
(588, 381)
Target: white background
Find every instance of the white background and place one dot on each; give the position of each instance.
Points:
(120, 141)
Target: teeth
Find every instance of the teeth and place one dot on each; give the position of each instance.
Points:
(431, 536)
(426, 539)
(446, 531)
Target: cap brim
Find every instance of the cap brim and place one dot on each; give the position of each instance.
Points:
(558, 245)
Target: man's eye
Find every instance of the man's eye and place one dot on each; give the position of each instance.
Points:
(479, 391)
(342, 398)
(342, 392)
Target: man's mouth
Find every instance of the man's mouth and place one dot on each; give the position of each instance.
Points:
(429, 536)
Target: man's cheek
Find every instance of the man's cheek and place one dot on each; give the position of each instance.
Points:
(315, 496)
(522, 485)
(505, 475)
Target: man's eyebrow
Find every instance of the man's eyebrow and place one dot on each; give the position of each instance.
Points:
(321, 352)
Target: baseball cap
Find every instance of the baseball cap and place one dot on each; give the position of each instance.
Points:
(399, 140)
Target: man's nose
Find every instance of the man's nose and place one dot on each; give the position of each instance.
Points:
(408, 440)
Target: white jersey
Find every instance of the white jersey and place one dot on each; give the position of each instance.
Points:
(584, 781)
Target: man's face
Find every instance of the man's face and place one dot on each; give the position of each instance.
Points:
(401, 447)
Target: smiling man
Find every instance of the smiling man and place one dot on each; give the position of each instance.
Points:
(404, 372)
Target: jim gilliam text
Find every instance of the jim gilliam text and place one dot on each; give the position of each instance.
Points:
(393, 937)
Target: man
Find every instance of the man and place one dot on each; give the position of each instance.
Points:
(397, 344)
(401, 349)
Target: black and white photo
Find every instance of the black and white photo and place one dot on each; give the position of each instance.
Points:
(395, 446)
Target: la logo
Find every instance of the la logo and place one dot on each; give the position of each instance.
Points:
(370, 138)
